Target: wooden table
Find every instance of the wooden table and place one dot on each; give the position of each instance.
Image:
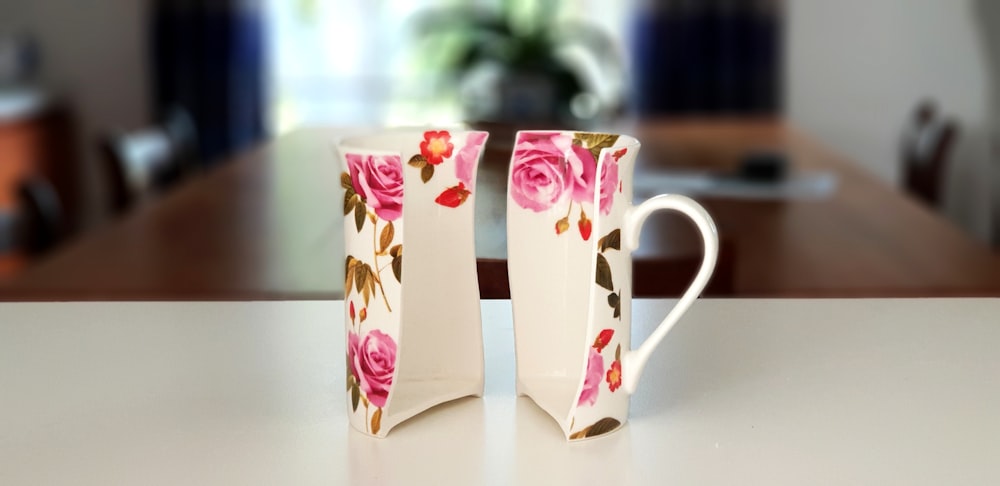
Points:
(742, 391)
(267, 225)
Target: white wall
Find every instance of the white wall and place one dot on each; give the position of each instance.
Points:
(94, 55)
(856, 69)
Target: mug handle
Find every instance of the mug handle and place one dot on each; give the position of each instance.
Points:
(634, 360)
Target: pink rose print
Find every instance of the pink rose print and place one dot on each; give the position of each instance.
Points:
(378, 179)
(592, 383)
(465, 161)
(581, 169)
(373, 362)
(609, 182)
(538, 176)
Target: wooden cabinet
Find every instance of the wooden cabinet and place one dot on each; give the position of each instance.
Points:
(38, 142)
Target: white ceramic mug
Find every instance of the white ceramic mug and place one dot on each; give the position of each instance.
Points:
(571, 229)
(414, 336)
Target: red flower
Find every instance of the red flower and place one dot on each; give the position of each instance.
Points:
(614, 376)
(352, 311)
(453, 197)
(586, 226)
(603, 339)
(618, 154)
(436, 146)
(364, 314)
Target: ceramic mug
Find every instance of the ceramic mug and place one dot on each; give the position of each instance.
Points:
(571, 229)
(414, 337)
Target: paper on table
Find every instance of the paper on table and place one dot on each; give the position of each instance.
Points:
(797, 185)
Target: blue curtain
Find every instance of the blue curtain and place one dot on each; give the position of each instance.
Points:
(208, 59)
(708, 57)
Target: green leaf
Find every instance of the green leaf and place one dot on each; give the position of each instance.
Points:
(604, 273)
(602, 426)
(355, 397)
(370, 284)
(377, 420)
(349, 274)
(345, 182)
(350, 378)
(360, 211)
(360, 277)
(388, 232)
(367, 285)
(426, 173)
(418, 161)
(611, 240)
(397, 262)
(595, 142)
(397, 268)
(349, 201)
(615, 301)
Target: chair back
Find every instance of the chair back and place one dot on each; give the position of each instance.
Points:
(40, 223)
(927, 145)
(34, 225)
(149, 160)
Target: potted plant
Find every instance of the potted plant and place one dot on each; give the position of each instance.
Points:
(520, 64)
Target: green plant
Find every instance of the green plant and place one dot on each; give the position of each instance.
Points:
(520, 38)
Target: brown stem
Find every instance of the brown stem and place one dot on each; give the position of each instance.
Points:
(378, 272)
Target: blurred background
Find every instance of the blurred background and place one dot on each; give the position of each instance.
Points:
(879, 81)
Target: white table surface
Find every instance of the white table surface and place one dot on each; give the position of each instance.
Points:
(742, 392)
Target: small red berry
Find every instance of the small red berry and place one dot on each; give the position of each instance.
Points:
(586, 226)
(453, 197)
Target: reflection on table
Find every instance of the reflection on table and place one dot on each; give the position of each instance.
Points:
(267, 225)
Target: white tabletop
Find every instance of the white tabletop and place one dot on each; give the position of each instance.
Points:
(743, 392)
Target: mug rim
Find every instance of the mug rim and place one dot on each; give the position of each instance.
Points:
(360, 142)
(624, 139)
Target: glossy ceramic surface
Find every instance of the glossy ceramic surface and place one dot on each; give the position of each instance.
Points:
(571, 231)
(414, 338)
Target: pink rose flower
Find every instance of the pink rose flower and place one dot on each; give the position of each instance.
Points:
(581, 169)
(538, 175)
(467, 156)
(592, 383)
(378, 179)
(373, 362)
(609, 182)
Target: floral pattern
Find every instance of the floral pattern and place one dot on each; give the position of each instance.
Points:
(368, 204)
(435, 149)
(373, 189)
(548, 167)
(465, 160)
(614, 375)
(378, 182)
(373, 207)
(592, 382)
(596, 373)
(609, 182)
(372, 362)
(436, 146)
